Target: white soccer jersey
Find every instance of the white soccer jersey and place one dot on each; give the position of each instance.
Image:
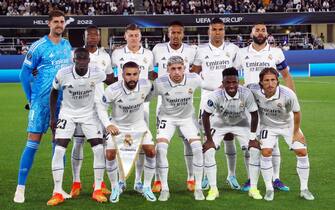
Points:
(102, 60)
(143, 57)
(78, 91)
(230, 111)
(252, 62)
(162, 52)
(127, 105)
(177, 99)
(213, 60)
(275, 111)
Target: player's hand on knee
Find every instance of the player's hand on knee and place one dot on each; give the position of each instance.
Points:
(254, 143)
(112, 129)
(299, 136)
(207, 145)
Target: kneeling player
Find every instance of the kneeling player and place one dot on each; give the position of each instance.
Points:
(78, 84)
(177, 111)
(276, 103)
(230, 104)
(126, 97)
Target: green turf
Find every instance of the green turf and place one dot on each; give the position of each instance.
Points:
(317, 101)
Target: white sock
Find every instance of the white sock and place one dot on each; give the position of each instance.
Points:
(57, 166)
(267, 171)
(246, 155)
(303, 171)
(254, 166)
(198, 163)
(77, 156)
(98, 165)
(276, 159)
(139, 167)
(149, 170)
(163, 164)
(188, 156)
(230, 151)
(111, 168)
(210, 167)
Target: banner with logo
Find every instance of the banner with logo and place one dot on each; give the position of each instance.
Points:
(128, 145)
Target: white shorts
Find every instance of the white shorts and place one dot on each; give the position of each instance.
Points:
(66, 126)
(269, 137)
(141, 126)
(242, 134)
(167, 126)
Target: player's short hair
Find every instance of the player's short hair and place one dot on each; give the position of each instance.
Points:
(132, 27)
(91, 27)
(130, 64)
(176, 23)
(229, 72)
(216, 20)
(175, 60)
(83, 52)
(55, 13)
(265, 71)
(258, 23)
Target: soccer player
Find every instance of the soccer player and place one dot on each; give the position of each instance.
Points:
(276, 103)
(100, 58)
(134, 51)
(78, 84)
(252, 59)
(162, 52)
(211, 59)
(230, 104)
(177, 111)
(126, 98)
(47, 56)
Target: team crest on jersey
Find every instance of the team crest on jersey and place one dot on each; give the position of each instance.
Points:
(270, 57)
(241, 104)
(227, 54)
(190, 91)
(279, 105)
(145, 60)
(143, 97)
(92, 84)
(103, 63)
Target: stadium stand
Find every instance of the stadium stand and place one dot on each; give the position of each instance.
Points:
(127, 7)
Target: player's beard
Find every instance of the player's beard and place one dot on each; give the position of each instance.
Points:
(259, 41)
(131, 84)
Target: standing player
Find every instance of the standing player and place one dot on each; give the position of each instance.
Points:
(100, 58)
(177, 111)
(134, 51)
(162, 52)
(47, 55)
(78, 84)
(126, 98)
(230, 103)
(252, 59)
(276, 103)
(211, 59)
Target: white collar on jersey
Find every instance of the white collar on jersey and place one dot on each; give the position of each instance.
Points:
(140, 51)
(212, 47)
(170, 49)
(76, 76)
(182, 83)
(266, 48)
(127, 91)
(274, 97)
(228, 97)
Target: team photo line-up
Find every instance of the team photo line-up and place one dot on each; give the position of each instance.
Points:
(66, 91)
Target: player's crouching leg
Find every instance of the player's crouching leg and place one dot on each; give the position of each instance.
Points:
(198, 167)
(112, 169)
(149, 167)
(303, 169)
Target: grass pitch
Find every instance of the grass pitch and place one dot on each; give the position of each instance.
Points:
(317, 99)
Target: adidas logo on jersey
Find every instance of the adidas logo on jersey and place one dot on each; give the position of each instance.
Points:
(70, 86)
(247, 57)
(206, 57)
(163, 59)
(120, 101)
(121, 59)
(167, 94)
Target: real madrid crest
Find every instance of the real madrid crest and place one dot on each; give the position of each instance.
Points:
(143, 97)
(145, 60)
(227, 54)
(103, 63)
(190, 91)
(241, 104)
(92, 84)
(270, 57)
(128, 140)
(279, 105)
